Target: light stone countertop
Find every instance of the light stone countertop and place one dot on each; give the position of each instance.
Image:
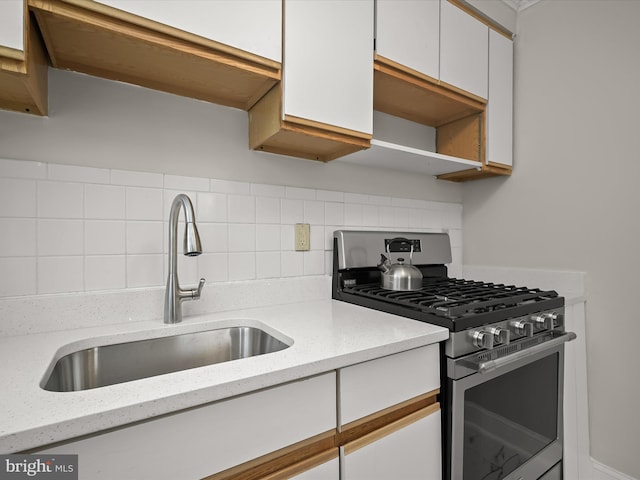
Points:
(324, 335)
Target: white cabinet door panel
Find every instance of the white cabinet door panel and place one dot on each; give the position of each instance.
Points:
(464, 50)
(372, 386)
(11, 24)
(251, 25)
(205, 440)
(328, 62)
(408, 32)
(414, 452)
(500, 101)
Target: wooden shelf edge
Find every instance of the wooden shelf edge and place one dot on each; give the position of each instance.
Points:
(487, 171)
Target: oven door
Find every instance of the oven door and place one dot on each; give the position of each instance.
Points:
(506, 423)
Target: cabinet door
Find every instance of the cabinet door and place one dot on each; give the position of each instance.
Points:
(372, 386)
(11, 24)
(328, 62)
(251, 25)
(499, 147)
(411, 452)
(464, 50)
(408, 32)
(209, 439)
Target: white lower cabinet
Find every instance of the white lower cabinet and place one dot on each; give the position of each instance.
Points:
(390, 417)
(375, 420)
(411, 452)
(211, 439)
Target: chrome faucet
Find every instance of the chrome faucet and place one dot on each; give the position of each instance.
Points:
(174, 295)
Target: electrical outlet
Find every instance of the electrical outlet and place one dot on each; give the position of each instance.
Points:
(302, 237)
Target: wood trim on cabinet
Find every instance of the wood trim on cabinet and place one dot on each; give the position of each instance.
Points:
(366, 425)
(486, 172)
(478, 15)
(390, 428)
(103, 41)
(24, 83)
(297, 457)
(299, 137)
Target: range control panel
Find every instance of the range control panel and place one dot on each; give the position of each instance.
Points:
(401, 245)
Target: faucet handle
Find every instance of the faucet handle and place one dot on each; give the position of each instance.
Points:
(196, 293)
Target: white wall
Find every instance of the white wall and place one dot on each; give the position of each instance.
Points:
(572, 202)
(100, 123)
(84, 194)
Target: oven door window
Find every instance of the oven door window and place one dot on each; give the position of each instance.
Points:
(509, 419)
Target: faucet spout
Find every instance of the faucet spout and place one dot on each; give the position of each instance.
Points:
(174, 295)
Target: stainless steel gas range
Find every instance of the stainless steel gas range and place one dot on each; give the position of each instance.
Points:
(502, 366)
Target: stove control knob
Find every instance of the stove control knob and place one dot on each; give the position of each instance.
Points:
(542, 321)
(501, 336)
(557, 319)
(522, 327)
(482, 339)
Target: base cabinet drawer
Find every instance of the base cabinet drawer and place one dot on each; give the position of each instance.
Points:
(203, 441)
(409, 449)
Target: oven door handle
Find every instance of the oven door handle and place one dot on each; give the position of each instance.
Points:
(491, 365)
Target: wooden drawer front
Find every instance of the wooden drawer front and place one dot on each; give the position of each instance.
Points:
(372, 386)
(205, 440)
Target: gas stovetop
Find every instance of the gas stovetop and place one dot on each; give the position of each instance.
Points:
(459, 304)
(456, 304)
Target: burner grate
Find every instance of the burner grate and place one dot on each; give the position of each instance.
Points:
(455, 298)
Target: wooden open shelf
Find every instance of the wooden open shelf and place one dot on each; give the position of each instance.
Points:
(458, 116)
(92, 38)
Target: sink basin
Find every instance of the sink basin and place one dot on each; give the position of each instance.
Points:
(110, 364)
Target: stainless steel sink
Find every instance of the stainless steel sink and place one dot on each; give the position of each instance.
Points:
(110, 364)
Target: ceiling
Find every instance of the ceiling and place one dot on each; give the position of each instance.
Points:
(519, 5)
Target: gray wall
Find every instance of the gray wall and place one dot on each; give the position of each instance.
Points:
(99, 123)
(572, 202)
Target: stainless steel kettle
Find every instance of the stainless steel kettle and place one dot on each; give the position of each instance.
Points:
(399, 276)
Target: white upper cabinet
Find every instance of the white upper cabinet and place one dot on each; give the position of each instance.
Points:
(499, 148)
(408, 32)
(328, 62)
(251, 25)
(464, 50)
(11, 24)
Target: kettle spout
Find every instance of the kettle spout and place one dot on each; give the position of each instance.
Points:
(384, 263)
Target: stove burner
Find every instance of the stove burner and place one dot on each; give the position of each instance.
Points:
(454, 298)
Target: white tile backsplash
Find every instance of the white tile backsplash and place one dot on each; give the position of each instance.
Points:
(242, 209)
(18, 237)
(104, 202)
(60, 200)
(60, 237)
(72, 173)
(22, 169)
(18, 276)
(68, 229)
(60, 274)
(144, 203)
(104, 237)
(17, 198)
